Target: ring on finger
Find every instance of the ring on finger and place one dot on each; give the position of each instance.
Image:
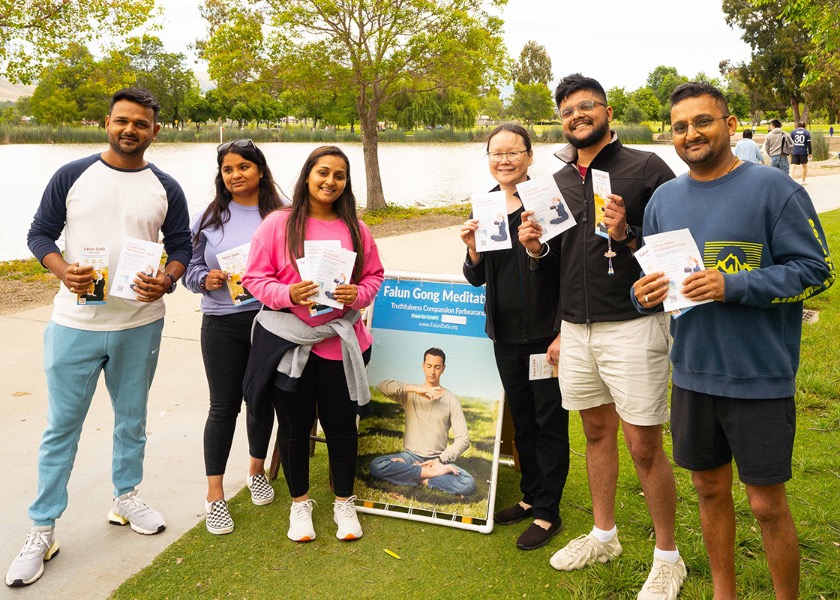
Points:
(646, 297)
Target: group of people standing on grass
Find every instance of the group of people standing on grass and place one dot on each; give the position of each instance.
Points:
(579, 298)
(117, 195)
(733, 361)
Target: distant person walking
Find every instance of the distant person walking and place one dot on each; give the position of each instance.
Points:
(747, 150)
(831, 131)
(801, 150)
(778, 146)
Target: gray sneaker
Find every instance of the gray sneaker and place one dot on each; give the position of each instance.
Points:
(28, 566)
(129, 508)
(583, 551)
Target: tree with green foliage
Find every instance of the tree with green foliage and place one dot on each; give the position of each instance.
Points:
(662, 80)
(779, 48)
(382, 48)
(165, 74)
(531, 102)
(490, 104)
(633, 113)
(33, 33)
(76, 86)
(820, 18)
(533, 66)
(617, 98)
(645, 98)
(236, 52)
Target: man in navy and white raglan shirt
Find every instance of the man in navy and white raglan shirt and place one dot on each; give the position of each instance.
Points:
(101, 200)
(735, 359)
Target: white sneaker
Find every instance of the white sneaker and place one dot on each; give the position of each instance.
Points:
(585, 550)
(218, 519)
(665, 580)
(344, 515)
(129, 508)
(28, 566)
(300, 521)
(261, 491)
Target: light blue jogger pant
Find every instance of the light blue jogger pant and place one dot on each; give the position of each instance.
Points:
(73, 360)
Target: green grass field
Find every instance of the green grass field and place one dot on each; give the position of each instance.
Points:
(257, 561)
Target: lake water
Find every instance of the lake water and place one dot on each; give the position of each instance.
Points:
(412, 174)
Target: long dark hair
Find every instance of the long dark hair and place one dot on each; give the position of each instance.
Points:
(217, 212)
(344, 207)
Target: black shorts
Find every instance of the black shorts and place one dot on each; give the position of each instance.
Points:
(708, 431)
(799, 159)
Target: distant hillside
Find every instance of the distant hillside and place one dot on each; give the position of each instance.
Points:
(12, 91)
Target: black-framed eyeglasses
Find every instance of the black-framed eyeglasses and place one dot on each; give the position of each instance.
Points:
(701, 125)
(237, 143)
(583, 106)
(513, 156)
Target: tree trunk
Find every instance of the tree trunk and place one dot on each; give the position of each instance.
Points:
(794, 105)
(370, 149)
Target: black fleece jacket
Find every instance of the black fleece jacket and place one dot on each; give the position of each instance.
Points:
(589, 293)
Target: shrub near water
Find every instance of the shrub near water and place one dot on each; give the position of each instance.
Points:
(819, 146)
(44, 134)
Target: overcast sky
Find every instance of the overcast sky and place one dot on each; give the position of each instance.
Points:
(617, 42)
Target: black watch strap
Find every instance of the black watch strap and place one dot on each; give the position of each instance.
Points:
(174, 283)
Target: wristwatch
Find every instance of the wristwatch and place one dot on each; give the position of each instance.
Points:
(631, 235)
(174, 283)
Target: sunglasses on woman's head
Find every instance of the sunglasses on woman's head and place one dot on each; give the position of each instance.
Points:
(238, 143)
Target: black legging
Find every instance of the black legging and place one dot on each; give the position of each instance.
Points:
(225, 344)
(321, 384)
(541, 427)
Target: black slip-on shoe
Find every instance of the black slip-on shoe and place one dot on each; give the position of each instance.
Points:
(536, 537)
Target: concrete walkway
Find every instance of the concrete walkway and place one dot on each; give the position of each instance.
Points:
(96, 557)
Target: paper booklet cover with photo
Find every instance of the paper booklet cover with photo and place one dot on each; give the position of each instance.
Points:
(542, 196)
(490, 208)
(601, 189)
(136, 256)
(233, 263)
(674, 253)
(96, 257)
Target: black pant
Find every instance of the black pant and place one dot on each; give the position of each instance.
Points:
(322, 385)
(541, 426)
(225, 344)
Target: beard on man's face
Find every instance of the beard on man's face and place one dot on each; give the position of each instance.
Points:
(595, 136)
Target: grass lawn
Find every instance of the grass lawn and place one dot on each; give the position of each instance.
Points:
(257, 561)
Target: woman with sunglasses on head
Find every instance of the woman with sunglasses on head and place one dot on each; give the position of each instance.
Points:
(330, 376)
(245, 195)
(522, 296)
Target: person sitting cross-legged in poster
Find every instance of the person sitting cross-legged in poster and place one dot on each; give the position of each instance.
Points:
(430, 411)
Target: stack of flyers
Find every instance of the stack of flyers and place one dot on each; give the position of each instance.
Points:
(601, 189)
(329, 265)
(136, 256)
(97, 257)
(674, 253)
(233, 262)
(542, 196)
(490, 209)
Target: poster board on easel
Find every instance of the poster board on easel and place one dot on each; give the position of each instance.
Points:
(411, 314)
